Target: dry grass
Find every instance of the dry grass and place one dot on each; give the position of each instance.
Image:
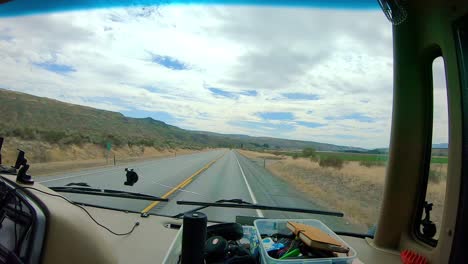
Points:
(48, 158)
(260, 155)
(355, 190)
(436, 194)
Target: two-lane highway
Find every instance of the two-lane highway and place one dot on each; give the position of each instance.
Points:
(205, 176)
(156, 177)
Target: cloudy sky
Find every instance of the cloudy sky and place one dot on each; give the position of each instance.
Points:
(311, 74)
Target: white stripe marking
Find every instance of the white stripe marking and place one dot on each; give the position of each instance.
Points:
(182, 190)
(74, 176)
(259, 213)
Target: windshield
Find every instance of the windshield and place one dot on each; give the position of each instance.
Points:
(276, 105)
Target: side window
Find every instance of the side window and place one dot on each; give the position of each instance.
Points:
(436, 185)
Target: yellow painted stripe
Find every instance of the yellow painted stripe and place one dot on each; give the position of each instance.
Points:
(181, 185)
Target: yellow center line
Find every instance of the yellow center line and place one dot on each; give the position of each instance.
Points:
(181, 185)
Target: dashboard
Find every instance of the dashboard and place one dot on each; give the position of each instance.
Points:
(60, 232)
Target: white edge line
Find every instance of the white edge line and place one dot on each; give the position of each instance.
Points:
(259, 213)
(73, 176)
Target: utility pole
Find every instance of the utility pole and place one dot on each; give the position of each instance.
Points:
(114, 159)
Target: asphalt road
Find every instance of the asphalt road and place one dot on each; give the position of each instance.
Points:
(230, 176)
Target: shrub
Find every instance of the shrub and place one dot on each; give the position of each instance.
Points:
(146, 142)
(71, 139)
(24, 133)
(333, 162)
(115, 140)
(372, 163)
(295, 156)
(308, 152)
(53, 136)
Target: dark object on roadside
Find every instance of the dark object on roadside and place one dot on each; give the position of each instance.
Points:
(132, 177)
(194, 238)
(429, 229)
(83, 184)
(23, 166)
(229, 231)
(333, 162)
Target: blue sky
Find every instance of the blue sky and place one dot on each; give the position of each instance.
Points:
(353, 116)
(277, 128)
(310, 124)
(232, 95)
(301, 96)
(276, 115)
(169, 62)
(222, 93)
(54, 67)
(260, 71)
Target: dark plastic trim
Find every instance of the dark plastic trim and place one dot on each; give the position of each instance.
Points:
(460, 240)
(432, 53)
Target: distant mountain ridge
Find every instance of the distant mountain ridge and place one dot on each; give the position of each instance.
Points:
(32, 117)
(440, 145)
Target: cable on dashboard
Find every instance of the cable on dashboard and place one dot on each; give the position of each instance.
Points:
(77, 205)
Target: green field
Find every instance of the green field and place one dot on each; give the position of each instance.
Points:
(439, 160)
(347, 156)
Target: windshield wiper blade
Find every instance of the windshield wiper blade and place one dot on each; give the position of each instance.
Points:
(109, 193)
(235, 201)
(82, 184)
(66, 188)
(244, 205)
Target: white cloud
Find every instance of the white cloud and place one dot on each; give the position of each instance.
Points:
(342, 56)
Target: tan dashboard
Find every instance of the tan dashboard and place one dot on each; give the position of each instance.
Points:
(72, 236)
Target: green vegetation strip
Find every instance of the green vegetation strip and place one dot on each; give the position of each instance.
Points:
(359, 156)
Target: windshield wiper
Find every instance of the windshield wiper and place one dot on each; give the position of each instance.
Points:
(82, 184)
(109, 193)
(239, 203)
(235, 201)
